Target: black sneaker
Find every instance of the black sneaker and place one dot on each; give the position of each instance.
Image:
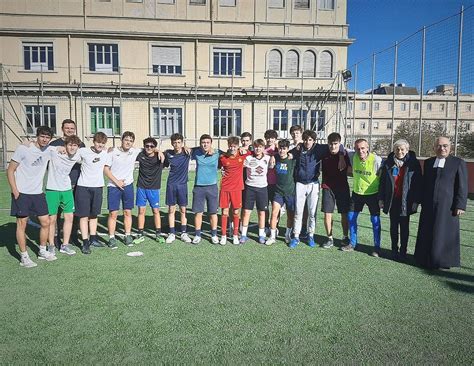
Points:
(97, 244)
(86, 249)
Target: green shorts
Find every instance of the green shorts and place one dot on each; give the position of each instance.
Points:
(63, 199)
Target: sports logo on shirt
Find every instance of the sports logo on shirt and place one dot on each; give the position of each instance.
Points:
(38, 161)
(259, 170)
(96, 160)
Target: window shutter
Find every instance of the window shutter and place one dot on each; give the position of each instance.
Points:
(274, 63)
(292, 64)
(309, 63)
(167, 56)
(115, 62)
(326, 65)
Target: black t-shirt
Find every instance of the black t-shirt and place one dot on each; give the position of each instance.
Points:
(76, 169)
(149, 172)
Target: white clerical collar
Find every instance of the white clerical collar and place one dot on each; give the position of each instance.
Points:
(439, 163)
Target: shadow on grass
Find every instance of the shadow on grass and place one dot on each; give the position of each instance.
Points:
(8, 239)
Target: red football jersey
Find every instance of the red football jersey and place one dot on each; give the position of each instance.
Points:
(232, 171)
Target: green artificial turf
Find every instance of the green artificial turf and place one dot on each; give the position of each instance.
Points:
(251, 304)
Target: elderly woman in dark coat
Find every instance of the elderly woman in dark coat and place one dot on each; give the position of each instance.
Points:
(399, 193)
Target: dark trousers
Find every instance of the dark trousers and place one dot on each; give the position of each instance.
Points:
(396, 222)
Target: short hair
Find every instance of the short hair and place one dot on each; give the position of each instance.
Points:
(283, 144)
(233, 140)
(128, 134)
(334, 137)
(44, 130)
(176, 136)
(309, 134)
(150, 140)
(67, 121)
(269, 134)
(100, 137)
(296, 128)
(73, 139)
(401, 142)
(358, 141)
(205, 137)
(258, 142)
(441, 137)
(246, 134)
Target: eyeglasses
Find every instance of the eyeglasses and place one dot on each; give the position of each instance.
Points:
(150, 146)
(445, 146)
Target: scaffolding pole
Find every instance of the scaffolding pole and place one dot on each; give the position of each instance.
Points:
(458, 82)
(423, 51)
(4, 130)
(395, 66)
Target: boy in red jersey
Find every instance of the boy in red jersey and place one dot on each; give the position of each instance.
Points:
(232, 185)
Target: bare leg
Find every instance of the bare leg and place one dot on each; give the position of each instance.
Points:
(141, 217)
(184, 221)
(246, 217)
(171, 212)
(84, 226)
(261, 219)
(111, 222)
(156, 216)
(67, 227)
(52, 228)
(213, 221)
(93, 225)
(197, 220)
(127, 221)
(275, 211)
(328, 223)
(44, 231)
(21, 223)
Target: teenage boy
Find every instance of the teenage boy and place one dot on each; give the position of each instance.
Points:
(177, 186)
(59, 193)
(232, 185)
(256, 189)
(335, 189)
(284, 191)
(25, 175)
(271, 149)
(119, 169)
(148, 187)
(307, 156)
(296, 133)
(88, 198)
(366, 167)
(246, 141)
(205, 189)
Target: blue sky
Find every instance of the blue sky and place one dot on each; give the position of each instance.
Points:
(377, 24)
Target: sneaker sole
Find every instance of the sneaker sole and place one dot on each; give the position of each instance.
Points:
(139, 240)
(64, 252)
(28, 266)
(50, 259)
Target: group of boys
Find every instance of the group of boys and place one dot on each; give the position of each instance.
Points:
(278, 174)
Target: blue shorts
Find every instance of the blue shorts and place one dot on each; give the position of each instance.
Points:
(116, 195)
(177, 194)
(150, 195)
(289, 201)
(208, 195)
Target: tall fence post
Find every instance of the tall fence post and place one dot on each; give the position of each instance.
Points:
(82, 103)
(356, 69)
(422, 90)
(3, 126)
(42, 96)
(158, 100)
(268, 99)
(232, 101)
(458, 82)
(371, 111)
(395, 65)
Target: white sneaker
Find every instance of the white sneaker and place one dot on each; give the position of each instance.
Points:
(67, 249)
(44, 254)
(51, 249)
(171, 238)
(185, 237)
(27, 262)
(196, 240)
(215, 240)
(270, 241)
(235, 240)
(223, 240)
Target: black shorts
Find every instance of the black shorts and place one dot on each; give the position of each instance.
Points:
(341, 199)
(271, 189)
(88, 201)
(358, 201)
(29, 205)
(256, 195)
(208, 195)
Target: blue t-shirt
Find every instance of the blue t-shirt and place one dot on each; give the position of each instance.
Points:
(206, 166)
(178, 164)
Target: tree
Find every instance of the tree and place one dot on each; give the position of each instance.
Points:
(466, 145)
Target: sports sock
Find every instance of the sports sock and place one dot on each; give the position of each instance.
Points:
(224, 224)
(184, 228)
(244, 230)
(236, 220)
(273, 233)
(261, 231)
(197, 233)
(213, 232)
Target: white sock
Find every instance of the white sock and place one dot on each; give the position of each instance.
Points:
(111, 236)
(273, 233)
(261, 232)
(42, 248)
(24, 254)
(244, 230)
(127, 234)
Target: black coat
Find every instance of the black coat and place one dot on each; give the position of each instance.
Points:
(444, 191)
(411, 184)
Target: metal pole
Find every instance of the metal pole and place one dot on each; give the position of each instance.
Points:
(232, 100)
(268, 99)
(337, 127)
(158, 100)
(346, 111)
(395, 65)
(195, 90)
(423, 50)
(458, 82)
(42, 97)
(302, 96)
(371, 110)
(4, 130)
(82, 103)
(354, 103)
(120, 104)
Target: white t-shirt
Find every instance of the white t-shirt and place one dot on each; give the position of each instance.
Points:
(59, 168)
(256, 171)
(31, 169)
(92, 167)
(122, 164)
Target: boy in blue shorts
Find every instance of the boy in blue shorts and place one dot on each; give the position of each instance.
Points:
(177, 186)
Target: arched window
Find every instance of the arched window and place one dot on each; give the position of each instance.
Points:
(309, 64)
(325, 68)
(292, 64)
(274, 63)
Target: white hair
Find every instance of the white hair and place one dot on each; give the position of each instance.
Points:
(401, 142)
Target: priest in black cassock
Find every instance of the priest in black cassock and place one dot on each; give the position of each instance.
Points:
(443, 200)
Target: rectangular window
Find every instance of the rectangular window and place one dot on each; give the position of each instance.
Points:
(468, 127)
(318, 121)
(326, 4)
(280, 122)
(105, 119)
(389, 125)
(37, 115)
(134, 1)
(362, 125)
(296, 118)
(276, 3)
(376, 106)
(350, 106)
(227, 60)
(103, 57)
(390, 106)
(363, 106)
(301, 4)
(375, 125)
(429, 107)
(441, 107)
(167, 121)
(38, 56)
(348, 125)
(416, 106)
(227, 2)
(223, 126)
(468, 108)
(403, 107)
(197, 2)
(165, 1)
(166, 60)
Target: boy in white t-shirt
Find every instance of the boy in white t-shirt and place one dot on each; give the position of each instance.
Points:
(25, 175)
(88, 198)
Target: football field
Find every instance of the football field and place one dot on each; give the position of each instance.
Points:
(250, 304)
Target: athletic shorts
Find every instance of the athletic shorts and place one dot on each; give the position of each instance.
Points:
(88, 201)
(289, 201)
(29, 205)
(116, 195)
(60, 199)
(271, 189)
(230, 198)
(177, 194)
(341, 199)
(150, 195)
(358, 201)
(256, 195)
(205, 195)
